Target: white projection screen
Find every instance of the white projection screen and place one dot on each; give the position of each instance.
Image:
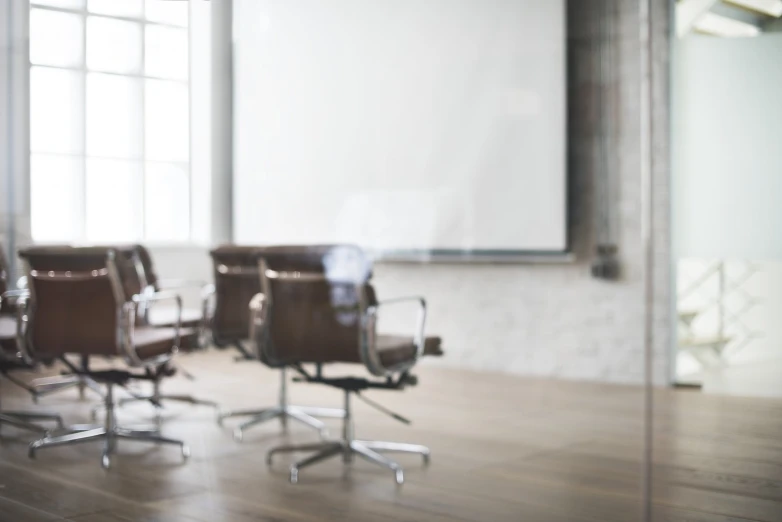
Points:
(434, 126)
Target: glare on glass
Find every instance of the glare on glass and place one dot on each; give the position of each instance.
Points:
(165, 52)
(55, 182)
(113, 45)
(113, 116)
(116, 7)
(113, 211)
(56, 113)
(167, 202)
(167, 133)
(69, 4)
(166, 12)
(55, 38)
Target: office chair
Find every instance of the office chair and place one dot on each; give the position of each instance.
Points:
(11, 358)
(331, 316)
(236, 281)
(44, 386)
(84, 312)
(138, 277)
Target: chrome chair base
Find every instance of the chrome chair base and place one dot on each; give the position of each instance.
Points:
(27, 420)
(110, 433)
(348, 446)
(302, 414)
(157, 399)
(164, 397)
(110, 438)
(49, 385)
(368, 449)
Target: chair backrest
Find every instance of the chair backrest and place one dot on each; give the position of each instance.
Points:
(147, 266)
(236, 281)
(315, 298)
(75, 301)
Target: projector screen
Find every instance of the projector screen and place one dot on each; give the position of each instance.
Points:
(401, 125)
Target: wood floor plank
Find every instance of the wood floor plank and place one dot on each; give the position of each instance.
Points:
(504, 448)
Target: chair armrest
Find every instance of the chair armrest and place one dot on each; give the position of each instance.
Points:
(20, 298)
(128, 326)
(258, 314)
(14, 295)
(369, 343)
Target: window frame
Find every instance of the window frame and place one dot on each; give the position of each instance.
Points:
(83, 156)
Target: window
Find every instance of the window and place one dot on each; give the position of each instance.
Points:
(109, 120)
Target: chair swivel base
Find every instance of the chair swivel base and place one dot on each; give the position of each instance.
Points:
(110, 436)
(369, 450)
(27, 420)
(173, 398)
(302, 414)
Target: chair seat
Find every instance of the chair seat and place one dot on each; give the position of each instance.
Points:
(166, 316)
(154, 341)
(397, 349)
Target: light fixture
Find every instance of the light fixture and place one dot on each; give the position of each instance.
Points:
(767, 7)
(717, 25)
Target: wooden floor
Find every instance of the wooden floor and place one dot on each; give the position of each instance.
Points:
(503, 448)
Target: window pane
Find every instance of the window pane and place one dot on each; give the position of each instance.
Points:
(115, 7)
(166, 52)
(166, 12)
(113, 45)
(55, 190)
(56, 117)
(167, 205)
(113, 200)
(55, 38)
(167, 121)
(113, 116)
(70, 4)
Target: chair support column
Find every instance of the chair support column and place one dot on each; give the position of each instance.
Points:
(303, 414)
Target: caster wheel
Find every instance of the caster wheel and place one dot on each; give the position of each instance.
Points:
(105, 462)
(399, 477)
(294, 479)
(185, 452)
(238, 435)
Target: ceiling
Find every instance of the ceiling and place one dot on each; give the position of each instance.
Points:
(728, 18)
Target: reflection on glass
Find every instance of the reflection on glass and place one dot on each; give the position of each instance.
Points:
(115, 7)
(55, 38)
(113, 45)
(166, 12)
(55, 110)
(113, 200)
(166, 112)
(113, 116)
(55, 209)
(167, 204)
(166, 52)
(69, 4)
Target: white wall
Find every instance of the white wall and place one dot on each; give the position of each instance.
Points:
(727, 128)
(728, 178)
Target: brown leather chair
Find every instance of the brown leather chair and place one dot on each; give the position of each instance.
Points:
(77, 306)
(330, 316)
(11, 358)
(138, 277)
(236, 281)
